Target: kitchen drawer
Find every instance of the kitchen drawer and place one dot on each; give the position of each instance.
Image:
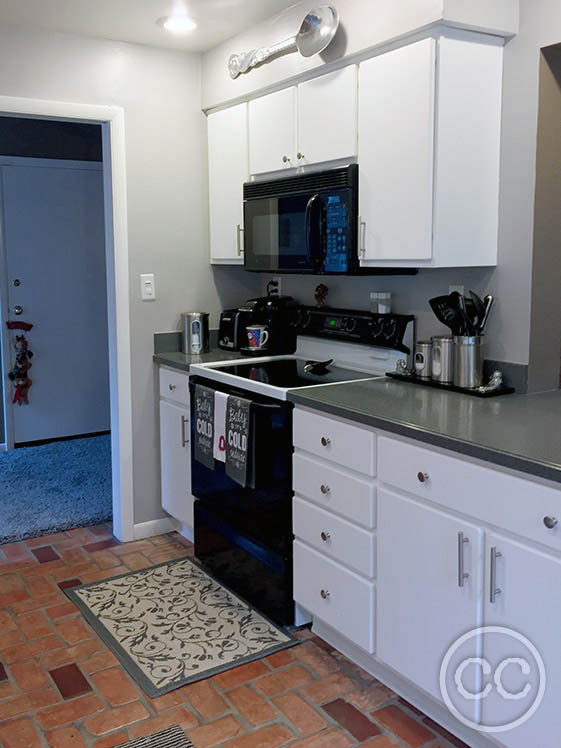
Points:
(509, 502)
(174, 385)
(338, 538)
(335, 595)
(337, 441)
(336, 490)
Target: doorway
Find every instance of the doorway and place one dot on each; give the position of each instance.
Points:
(111, 120)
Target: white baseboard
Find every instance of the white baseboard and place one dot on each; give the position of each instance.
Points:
(155, 527)
(187, 532)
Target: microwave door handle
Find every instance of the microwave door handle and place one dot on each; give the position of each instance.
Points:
(309, 208)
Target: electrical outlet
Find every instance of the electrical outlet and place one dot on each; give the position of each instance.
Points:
(274, 286)
(459, 289)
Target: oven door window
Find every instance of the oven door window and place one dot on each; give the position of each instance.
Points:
(276, 234)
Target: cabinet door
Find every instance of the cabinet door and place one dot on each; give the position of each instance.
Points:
(176, 462)
(422, 608)
(396, 154)
(228, 170)
(327, 117)
(272, 131)
(528, 603)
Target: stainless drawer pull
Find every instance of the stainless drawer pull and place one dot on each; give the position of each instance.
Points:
(172, 387)
(462, 575)
(325, 441)
(324, 594)
(550, 522)
(422, 477)
(325, 536)
(325, 489)
(184, 439)
(495, 554)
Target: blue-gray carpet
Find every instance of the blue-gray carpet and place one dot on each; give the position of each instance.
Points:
(54, 487)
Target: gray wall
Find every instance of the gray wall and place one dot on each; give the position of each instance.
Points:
(165, 133)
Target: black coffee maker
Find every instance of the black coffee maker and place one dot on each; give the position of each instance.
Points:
(277, 314)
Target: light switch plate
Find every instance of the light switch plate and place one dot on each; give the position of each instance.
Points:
(147, 287)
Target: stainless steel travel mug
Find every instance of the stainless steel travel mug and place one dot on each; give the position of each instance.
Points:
(423, 356)
(442, 370)
(468, 361)
(195, 340)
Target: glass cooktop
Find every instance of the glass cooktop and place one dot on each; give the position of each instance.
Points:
(291, 373)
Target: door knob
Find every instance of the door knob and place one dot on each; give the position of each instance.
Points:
(18, 309)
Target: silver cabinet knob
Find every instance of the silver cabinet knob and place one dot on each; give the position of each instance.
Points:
(324, 489)
(422, 477)
(300, 156)
(550, 522)
(171, 386)
(325, 536)
(285, 159)
(324, 594)
(325, 441)
(18, 309)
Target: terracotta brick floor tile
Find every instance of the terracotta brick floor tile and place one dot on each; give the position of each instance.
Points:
(3, 673)
(10, 639)
(115, 687)
(165, 702)
(35, 603)
(67, 655)
(103, 530)
(117, 718)
(353, 721)
(19, 733)
(110, 741)
(371, 696)
(66, 737)
(28, 702)
(7, 622)
(7, 598)
(304, 717)
(444, 733)
(241, 674)
(331, 738)
(395, 719)
(61, 610)
(99, 661)
(283, 680)
(105, 559)
(73, 630)
(180, 717)
(29, 675)
(320, 661)
(271, 736)
(251, 705)
(45, 554)
(40, 586)
(7, 690)
(411, 708)
(34, 625)
(204, 698)
(98, 575)
(100, 545)
(214, 733)
(70, 681)
(136, 561)
(67, 584)
(30, 649)
(328, 688)
(16, 552)
(72, 572)
(137, 546)
(280, 659)
(74, 556)
(45, 539)
(384, 741)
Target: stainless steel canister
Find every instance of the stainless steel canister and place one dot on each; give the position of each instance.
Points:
(423, 356)
(468, 361)
(442, 369)
(195, 339)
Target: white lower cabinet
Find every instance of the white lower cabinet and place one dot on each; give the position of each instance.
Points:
(527, 602)
(177, 499)
(425, 601)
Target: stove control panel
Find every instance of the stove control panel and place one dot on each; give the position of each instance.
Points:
(395, 331)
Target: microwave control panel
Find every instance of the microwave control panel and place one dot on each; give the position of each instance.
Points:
(336, 229)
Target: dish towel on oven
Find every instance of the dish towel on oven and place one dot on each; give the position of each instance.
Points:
(220, 407)
(204, 426)
(237, 438)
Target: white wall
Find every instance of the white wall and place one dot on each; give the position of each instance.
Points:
(160, 92)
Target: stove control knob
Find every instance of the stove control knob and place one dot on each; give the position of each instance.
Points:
(349, 324)
(307, 318)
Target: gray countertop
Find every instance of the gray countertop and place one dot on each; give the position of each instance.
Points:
(182, 361)
(522, 432)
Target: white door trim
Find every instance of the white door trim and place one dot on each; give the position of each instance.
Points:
(112, 120)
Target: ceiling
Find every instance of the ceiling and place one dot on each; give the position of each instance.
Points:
(135, 20)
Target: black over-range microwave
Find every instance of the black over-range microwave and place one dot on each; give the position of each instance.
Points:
(303, 224)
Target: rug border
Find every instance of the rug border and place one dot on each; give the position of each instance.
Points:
(126, 660)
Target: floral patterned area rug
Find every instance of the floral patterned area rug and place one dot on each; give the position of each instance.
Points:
(173, 624)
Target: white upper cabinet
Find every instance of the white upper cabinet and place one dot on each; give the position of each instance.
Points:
(429, 148)
(272, 132)
(327, 117)
(228, 170)
(396, 143)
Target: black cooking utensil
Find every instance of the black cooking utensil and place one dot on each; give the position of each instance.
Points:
(446, 313)
(489, 301)
(479, 306)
